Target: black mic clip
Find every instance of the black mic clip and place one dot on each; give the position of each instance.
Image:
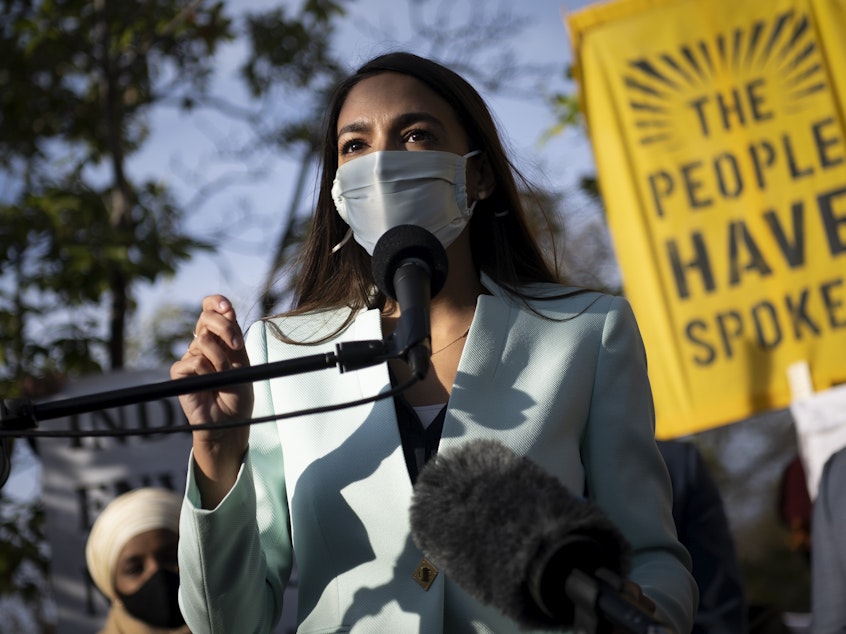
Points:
(17, 414)
(601, 605)
(577, 580)
(355, 355)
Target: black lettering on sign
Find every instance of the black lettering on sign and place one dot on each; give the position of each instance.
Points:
(147, 415)
(702, 183)
(699, 262)
(832, 294)
(768, 323)
(729, 330)
(800, 318)
(744, 254)
(734, 108)
(692, 266)
(93, 498)
(728, 176)
(826, 143)
(707, 89)
(694, 184)
(793, 248)
(763, 156)
(767, 327)
(696, 332)
(661, 184)
(832, 206)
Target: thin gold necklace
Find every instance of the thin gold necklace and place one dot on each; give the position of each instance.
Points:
(456, 340)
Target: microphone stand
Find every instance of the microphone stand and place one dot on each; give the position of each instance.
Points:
(23, 414)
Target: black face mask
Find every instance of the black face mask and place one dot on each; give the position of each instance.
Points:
(155, 602)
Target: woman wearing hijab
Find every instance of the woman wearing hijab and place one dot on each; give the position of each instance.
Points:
(131, 557)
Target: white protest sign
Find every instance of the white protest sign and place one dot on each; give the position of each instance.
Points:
(820, 420)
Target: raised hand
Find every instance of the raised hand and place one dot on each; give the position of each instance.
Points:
(218, 345)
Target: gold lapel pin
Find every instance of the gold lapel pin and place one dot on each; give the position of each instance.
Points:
(425, 574)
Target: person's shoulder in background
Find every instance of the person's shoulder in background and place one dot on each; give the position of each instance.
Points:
(703, 528)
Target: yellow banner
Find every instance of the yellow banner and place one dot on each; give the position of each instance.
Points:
(718, 129)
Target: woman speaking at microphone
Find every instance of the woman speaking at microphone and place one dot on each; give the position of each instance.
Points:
(554, 372)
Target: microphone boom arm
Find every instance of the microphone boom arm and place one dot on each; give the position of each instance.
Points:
(22, 413)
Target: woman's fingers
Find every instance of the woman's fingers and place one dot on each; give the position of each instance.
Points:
(192, 364)
(217, 346)
(219, 304)
(209, 347)
(217, 335)
(218, 318)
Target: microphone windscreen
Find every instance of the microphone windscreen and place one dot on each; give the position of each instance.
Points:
(406, 242)
(494, 520)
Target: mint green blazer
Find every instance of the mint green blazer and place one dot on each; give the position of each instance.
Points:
(332, 490)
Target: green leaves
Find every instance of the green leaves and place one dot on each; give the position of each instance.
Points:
(291, 50)
(80, 79)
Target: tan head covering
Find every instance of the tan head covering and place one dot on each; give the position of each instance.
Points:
(126, 516)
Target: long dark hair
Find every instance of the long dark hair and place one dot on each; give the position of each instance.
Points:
(501, 242)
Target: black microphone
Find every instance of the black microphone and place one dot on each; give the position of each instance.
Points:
(514, 537)
(410, 266)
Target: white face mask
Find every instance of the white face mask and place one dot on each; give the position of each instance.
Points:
(382, 190)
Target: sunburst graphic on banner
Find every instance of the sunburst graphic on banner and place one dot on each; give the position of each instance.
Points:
(667, 91)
